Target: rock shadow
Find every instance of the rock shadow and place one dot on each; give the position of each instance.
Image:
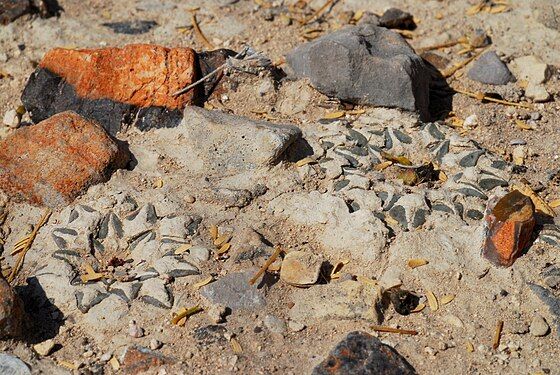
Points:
(44, 319)
(441, 94)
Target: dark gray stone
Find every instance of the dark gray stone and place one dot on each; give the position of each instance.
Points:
(549, 299)
(131, 27)
(360, 354)
(394, 18)
(490, 69)
(235, 292)
(365, 65)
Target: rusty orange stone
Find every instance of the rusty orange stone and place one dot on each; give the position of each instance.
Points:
(143, 75)
(510, 224)
(54, 161)
(140, 360)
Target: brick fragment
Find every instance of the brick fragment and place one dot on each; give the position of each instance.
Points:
(509, 226)
(139, 360)
(52, 162)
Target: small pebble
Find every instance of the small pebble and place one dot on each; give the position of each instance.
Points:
(517, 142)
(155, 344)
(134, 330)
(216, 313)
(296, 326)
(535, 116)
(44, 348)
(190, 199)
(88, 354)
(471, 121)
(11, 118)
(539, 327)
(106, 357)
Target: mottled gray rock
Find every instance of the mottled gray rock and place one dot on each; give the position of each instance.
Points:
(140, 221)
(174, 226)
(361, 353)
(548, 13)
(126, 291)
(235, 292)
(345, 300)
(552, 301)
(490, 69)
(275, 324)
(214, 141)
(10, 365)
(531, 69)
(175, 267)
(199, 253)
(90, 295)
(107, 315)
(365, 65)
(539, 327)
(154, 292)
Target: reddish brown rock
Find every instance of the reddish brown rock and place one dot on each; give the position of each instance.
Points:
(138, 360)
(510, 224)
(11, 311)
(54, 161)
(143, 75)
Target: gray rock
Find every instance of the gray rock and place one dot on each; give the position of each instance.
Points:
(365, 65)
(140, 221)
(154, 292)
(218, 142)
(490, 69)
(347, 300)
(90, 295)
(174, 226)
(394, 18)
(548, 13)
(175, 267)
(107, 315)
(275, 324)
(549, 299)
(537, 92)
(235, 292)
(126, 291)
(199, 253)
(531, 69)
(539, 327)
(10, 365)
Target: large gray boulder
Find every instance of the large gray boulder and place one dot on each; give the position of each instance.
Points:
(365, 64)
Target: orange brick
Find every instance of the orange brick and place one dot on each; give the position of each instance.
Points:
(54, 161)
(143, 75)
(510, 224)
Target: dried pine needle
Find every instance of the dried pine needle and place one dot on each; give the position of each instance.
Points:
(183, 248)
(452, 70)
(382, 166)
(67, 364)
(200, 35)
(203, 282)
(334, 115)
(305, 161)
(394, 330)
(444, 300)
(235, 346)
(432, 301)
(480, 96)
(224, 248)
(555, 203)
(224, 238)
(414, 263)
(497, 334)
(523, 125)
(184, 313)
(317, 13)
(420, 307)
(26, 245)
(265, 266)
(335, 273)
(214, 232)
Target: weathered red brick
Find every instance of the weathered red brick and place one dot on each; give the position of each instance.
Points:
(510, 225)
(11, 311)
(54, 161)
(140, 74)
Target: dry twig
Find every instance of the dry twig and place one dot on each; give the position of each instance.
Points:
(394, 330)
(23, 246)
(497, 335)
(318, 12)
(266, 265)
(199, 32)
(480, 96)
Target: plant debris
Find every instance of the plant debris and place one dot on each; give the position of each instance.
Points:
(414, 263)
(497, 335)
(183, 314)
(265, 266)
(432, 301)
(394, 330)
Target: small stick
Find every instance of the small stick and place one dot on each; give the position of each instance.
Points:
(31, 238)
(497, 335)
(266, 265)
(199, 32)
(449, 72)
(439, 46)
(185, 313)
(207, 76)
(394, 330)
(317, 13)
(480, 96)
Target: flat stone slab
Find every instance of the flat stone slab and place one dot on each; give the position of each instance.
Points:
(52, 162)
(235, 292)
(491, 70)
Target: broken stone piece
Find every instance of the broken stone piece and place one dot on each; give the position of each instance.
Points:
(52, 162)
(490, 69)
(394, 18)
(12, 365)
(137, 359)
(235, 292)
(11, 311)
(301, 268)
(44, 348)
(365, 65)
(361, 353)
(509, 223)
(133, 27)
(133, 85)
